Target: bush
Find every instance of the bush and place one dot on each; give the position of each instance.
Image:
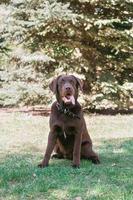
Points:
(93, 39)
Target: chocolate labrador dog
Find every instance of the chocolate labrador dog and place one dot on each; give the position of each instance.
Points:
(68, 135)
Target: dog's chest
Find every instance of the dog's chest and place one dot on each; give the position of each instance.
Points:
(65, 130)
(68, 125)
(65, 125)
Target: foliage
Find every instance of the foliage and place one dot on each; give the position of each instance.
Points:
(110, 96)
(92, 38)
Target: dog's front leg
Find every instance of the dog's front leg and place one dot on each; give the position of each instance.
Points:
(49, 149)
(77, 150)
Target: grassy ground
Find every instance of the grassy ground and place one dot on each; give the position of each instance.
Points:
(23, 140)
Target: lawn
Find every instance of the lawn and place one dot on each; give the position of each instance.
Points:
(23, 139)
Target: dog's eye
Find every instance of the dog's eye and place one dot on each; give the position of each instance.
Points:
(71, 81)
(62, 80)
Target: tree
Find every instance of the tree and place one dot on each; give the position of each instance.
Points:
(90, 37)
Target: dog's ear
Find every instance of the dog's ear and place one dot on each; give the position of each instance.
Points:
(53, 84)
(80, 83)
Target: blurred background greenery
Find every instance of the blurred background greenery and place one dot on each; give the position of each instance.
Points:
(93, 39)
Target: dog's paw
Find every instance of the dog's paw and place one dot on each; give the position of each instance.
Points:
(57, 156)
(96, 161)
(42, 165)
(75, 166)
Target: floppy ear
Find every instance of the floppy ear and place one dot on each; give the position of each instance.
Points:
(80, 83)
(53, 85)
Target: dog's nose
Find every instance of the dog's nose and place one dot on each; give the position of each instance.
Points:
(68, 88)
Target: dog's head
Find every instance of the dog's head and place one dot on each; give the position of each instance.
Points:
(65, 88)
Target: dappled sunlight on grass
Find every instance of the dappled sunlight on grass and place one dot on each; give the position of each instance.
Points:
(109, 180)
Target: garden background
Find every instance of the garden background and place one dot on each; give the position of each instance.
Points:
(40, 39)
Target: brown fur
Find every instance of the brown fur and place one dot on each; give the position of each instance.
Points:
(68, 135)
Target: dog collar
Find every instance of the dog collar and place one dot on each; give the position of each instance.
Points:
(66, 111)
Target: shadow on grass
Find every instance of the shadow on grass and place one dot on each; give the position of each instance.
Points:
(21, 179)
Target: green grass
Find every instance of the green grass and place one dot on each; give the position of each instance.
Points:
(23, 140)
